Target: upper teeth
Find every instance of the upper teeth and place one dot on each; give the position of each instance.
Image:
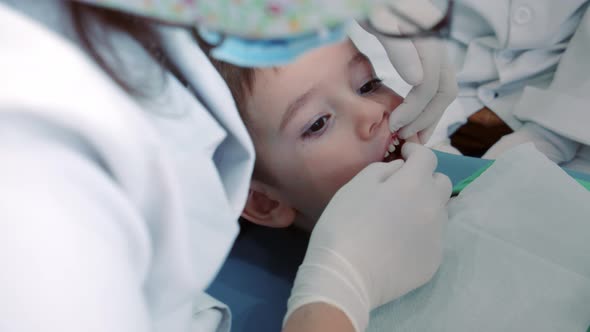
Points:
(392, 146)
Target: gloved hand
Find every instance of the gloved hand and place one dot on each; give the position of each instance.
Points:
(379, 237)
(423, 64)
(556, 147)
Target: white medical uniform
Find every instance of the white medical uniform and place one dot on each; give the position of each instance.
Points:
(115, 213)
(528, 62)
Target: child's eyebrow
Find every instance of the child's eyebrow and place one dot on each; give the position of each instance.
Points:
(295, 106)
(357, 58)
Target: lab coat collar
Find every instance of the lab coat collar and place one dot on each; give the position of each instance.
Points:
(235, 156)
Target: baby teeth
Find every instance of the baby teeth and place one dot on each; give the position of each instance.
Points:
(386, 154)
(391, 148)
(396, 141)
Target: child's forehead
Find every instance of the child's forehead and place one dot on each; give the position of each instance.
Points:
(313, 64)
(277, 87)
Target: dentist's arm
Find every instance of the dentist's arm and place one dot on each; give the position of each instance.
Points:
(556, 117)
(363, 250)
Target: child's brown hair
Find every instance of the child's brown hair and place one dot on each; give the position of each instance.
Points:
(240, 81)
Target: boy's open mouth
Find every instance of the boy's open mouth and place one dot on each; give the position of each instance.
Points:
(394, 148)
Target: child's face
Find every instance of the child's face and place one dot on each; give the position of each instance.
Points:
(315, 123)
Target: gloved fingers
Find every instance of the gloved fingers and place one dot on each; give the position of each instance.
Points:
(414, 139)
(443, 186)
(447, 93)
(423, 125)
(405, 59)
(444, 96)
(378, 172)
(420, 95)
(388, 169)
(419, 159)
(425, 134)
(402, 53)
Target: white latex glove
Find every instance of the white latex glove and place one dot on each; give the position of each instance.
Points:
(423, 64)
(379, 237)
(556, 147)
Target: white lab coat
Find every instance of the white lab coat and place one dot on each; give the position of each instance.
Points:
(115, 213)
(528, 62)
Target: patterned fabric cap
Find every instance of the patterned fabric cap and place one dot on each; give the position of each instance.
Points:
(261, 19)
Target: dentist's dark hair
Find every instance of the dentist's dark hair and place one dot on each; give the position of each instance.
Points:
(93, 26)
(240, 80)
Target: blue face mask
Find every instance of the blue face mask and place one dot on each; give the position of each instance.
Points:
(271, 52)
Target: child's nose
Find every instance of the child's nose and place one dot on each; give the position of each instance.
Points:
(370, 121)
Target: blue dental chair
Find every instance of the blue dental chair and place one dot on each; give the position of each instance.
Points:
(256, 279)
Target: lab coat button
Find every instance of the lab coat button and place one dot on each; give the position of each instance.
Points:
(522, 15)
(506, 55)
(486, 95)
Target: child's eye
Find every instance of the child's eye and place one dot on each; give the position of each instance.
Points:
(370, 86)
(317, 127)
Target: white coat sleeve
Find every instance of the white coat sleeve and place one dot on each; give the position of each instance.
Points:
(562, 108)
(73, 253)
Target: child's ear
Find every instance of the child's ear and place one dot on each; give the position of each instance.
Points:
(265, 207)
